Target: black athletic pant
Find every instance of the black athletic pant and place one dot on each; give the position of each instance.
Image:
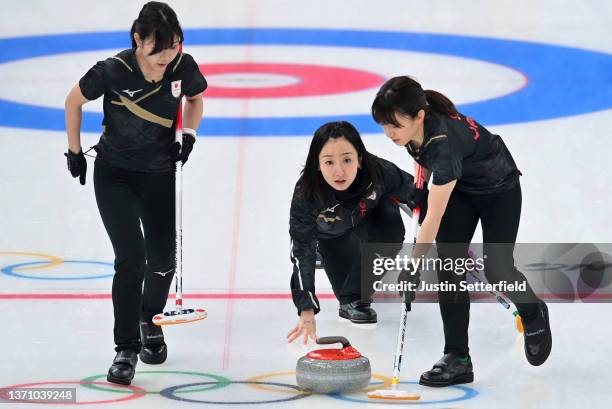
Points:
(341, 256)
(128, 200)
(499, 215)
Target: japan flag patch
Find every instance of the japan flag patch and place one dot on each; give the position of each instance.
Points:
(176, 88)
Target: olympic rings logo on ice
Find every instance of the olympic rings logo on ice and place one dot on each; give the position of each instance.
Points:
(185, 392)
(26, 269)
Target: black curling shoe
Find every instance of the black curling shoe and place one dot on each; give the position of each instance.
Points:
(358, 312)
(538, 338)
(154, 350)
(123, 368)
(449, 370)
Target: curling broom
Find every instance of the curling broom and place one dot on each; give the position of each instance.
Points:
(179, 315)
(394, 393)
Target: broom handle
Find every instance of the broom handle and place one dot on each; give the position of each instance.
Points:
(178, 209)
(397, 364)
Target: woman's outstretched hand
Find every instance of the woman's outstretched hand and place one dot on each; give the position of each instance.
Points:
(306, 327)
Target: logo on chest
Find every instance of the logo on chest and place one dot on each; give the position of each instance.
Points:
(130, 92)
(175, 86)
(329, 218)
(363, 208)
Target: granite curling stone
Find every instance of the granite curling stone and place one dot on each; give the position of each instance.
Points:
(333, 370)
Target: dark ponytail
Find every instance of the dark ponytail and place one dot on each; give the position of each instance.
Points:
(440, 103)
(405, 96)
(311, 179)
(159, 20)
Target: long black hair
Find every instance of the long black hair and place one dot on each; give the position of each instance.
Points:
(159, 20)
(405, 96)
(311, 179)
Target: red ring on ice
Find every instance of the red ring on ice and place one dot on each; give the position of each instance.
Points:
(313, 80)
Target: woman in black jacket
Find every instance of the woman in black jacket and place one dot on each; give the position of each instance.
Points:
(475, 179)
(134, 172)
(342, 200)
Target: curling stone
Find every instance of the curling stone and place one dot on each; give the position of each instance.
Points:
(333, 370)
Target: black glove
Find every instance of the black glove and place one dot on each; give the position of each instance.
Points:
(176, 152)
(77, 165)
(420, 199)
(407, 277)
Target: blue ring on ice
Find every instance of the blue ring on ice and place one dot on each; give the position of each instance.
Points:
(10, 270)
(562, 81)
(468, 393)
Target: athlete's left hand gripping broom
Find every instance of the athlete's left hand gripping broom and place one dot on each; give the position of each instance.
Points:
(179, 315)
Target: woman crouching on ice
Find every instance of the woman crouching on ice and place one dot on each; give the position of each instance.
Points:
(341, 201)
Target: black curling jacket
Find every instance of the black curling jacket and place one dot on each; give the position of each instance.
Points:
(458, 148)
(139, 116)
(339, 212)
